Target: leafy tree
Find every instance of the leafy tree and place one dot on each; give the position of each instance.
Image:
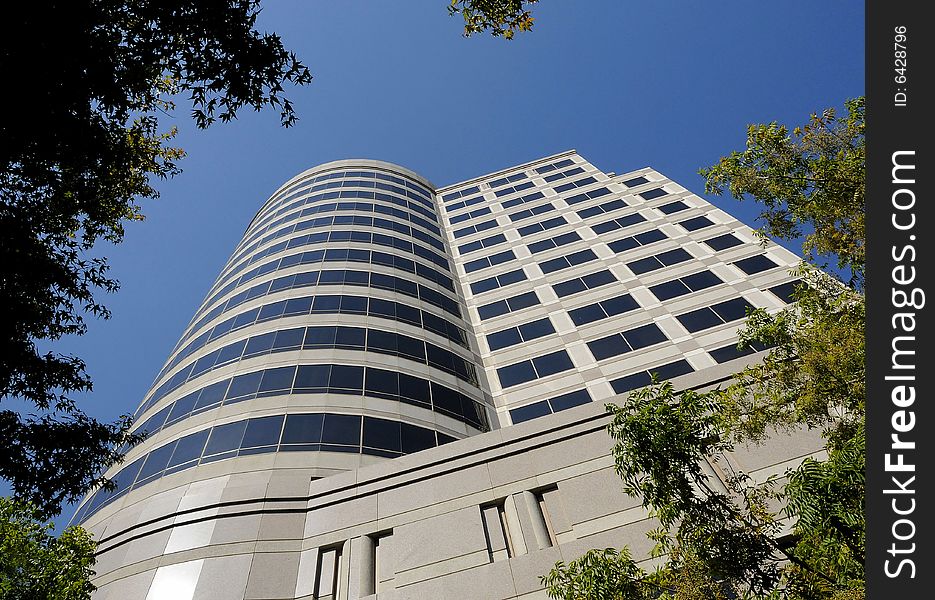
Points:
(810, 182)
(499, 17)
(35, 564)
(720, 542)
(99, 74)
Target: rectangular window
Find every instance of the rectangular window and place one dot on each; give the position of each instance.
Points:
(522, 200)
(723, 242)
(530, 370)
(654, 193)
(513, 188)
(644, 378)
(469, 215)
(635, 181)
(635, 241)
(621, 343)
(460, 193)
(717, 314)
(696, 223)
(484, 243)
(618, 223)
(587, 282)
(542, 226)
(685, 285)
(575, 184)
(589, 195)
(489, 261)
(563, 174)
(602, 208)
(755, 264)
(559, 165)
(475, 228)
(517, 335)
(555, 242)
(570, 260)
(602, 310)
(672, 207)
(665, 259)
(531, 212)
(498, 281)
(502, 307)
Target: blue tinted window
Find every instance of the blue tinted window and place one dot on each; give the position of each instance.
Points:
(723, 242)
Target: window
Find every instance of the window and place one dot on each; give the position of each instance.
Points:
(589, 195)
(672, 207)
(732, 351)
(559, 165)
(489, 261)
(498, 281)
(635, 241)
(621, 343)
(530, 370)
(654, 193)
(602, 208)
(547, 407)
(531, 212)
(574, 184)
(723, 242)
(644, 378)
(685, 285)
(522, 200)
(460, 193)
(712, 316)
(586, 282)
(635, 181)
(502, 307)
(665, 259)
(484, 243)
(555, 242)
(542, 226)
(755, 264)
(696, 223)
(475, 228)
(563, 174)
(505, 180)
(785, 291)
(570, 260)
(618, 223)
(513, 188)
(602, 310)
(523, 333)
(469, 215)
(465, 203)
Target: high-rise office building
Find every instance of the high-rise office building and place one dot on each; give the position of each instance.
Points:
(398, 389)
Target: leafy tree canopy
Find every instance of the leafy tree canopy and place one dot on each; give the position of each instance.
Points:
(499, 17)
(97, 74)
(810, 182)
(35, 564)
(802, 535)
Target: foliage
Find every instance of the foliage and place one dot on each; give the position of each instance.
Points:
(35, 564)
(801, 536)
(99, 75)
(499, 17)
(810, 182)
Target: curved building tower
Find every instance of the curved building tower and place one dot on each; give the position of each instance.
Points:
(303, 433)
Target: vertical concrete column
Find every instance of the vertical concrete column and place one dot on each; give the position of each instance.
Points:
(362, 565)
(537, 520)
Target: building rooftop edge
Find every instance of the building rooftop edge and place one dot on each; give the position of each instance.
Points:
(506, 170)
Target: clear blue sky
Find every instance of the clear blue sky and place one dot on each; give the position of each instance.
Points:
(628, 84)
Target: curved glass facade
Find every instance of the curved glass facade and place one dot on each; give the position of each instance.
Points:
(339, 306)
